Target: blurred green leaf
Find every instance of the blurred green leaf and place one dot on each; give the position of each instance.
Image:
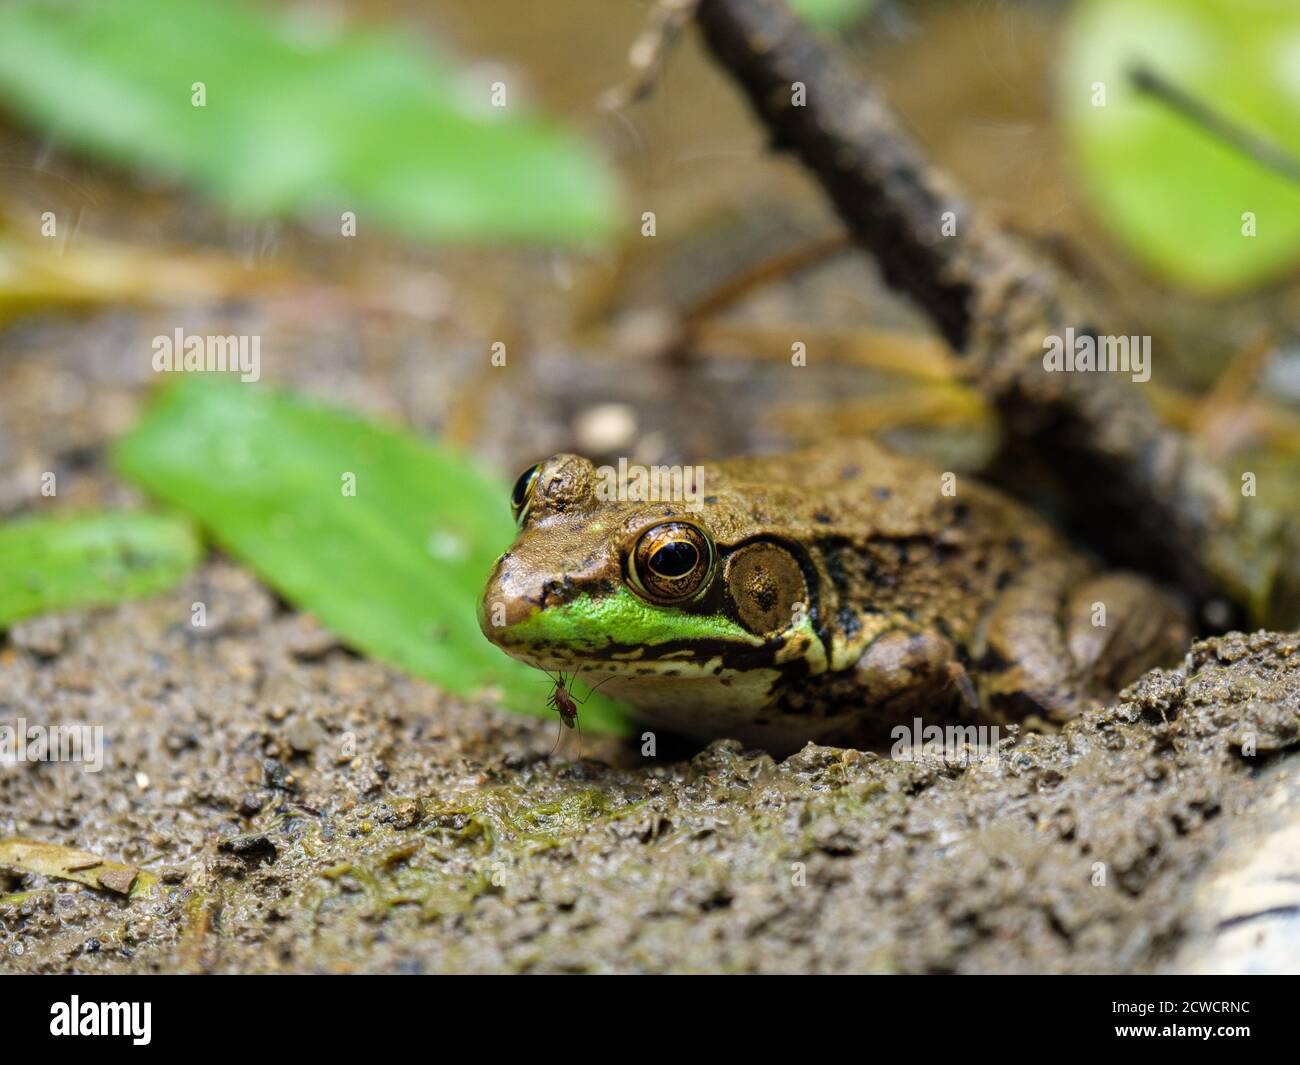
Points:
(54, 563)
(296, 120)
(1168, 189)
(831, 14)
(396, 569)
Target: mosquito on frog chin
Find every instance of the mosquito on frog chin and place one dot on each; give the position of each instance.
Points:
(561, 700)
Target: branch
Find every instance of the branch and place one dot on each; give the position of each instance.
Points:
(1147, 498)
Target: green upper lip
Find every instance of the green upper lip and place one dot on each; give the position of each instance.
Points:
(593, 624)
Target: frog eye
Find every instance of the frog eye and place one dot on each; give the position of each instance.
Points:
(522, 493)
(671, 562)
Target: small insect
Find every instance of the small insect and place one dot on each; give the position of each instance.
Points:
(561, 700)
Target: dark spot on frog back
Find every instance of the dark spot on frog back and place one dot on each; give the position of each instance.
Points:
(853, 568)
(837, 556)
(849, 622)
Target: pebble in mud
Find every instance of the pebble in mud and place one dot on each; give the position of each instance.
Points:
(45, 637)
(605, 429)
(305, 734)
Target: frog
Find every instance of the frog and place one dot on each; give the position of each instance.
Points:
(824, 595)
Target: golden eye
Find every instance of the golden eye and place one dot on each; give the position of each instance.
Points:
(522, 493)
(671, 562)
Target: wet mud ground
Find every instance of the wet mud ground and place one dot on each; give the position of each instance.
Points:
(304, 809)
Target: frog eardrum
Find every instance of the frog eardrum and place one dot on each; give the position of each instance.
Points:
(671, 562)
(767, 588)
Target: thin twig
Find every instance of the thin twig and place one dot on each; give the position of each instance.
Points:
(758, 275)
(1263, 151)
(648, 52)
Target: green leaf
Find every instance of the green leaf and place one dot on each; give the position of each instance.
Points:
(831, 14)
(296, 122)
(396, 569)
(1169, 190)
(56, 563)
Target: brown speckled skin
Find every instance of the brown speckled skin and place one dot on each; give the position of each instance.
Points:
(923, 603)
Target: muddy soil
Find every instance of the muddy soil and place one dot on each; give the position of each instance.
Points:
(306, 810)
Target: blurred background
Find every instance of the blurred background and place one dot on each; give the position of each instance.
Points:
(524, 223)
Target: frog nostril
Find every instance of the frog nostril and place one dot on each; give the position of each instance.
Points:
(556, 592)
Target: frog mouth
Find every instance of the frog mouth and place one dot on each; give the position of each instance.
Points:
(550, 659)
(631, 663)
(681, 659)
(636, 670)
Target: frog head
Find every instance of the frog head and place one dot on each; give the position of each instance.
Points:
(675, 608)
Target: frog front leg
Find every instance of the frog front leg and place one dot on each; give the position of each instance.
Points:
(1061, 640)
(1118, 626)
(901, 670)
(909, 668)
